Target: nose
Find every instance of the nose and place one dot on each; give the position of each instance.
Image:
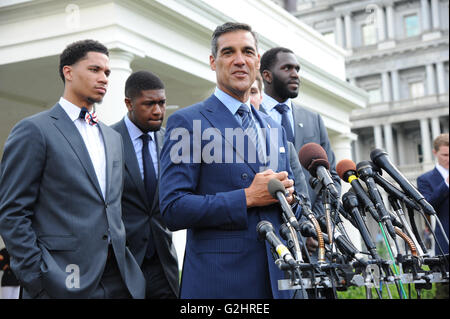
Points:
(103, 78)
(239, 59)
(157, 109)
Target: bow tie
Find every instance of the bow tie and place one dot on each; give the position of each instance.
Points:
(90, 118)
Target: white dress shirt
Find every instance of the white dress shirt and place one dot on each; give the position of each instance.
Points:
(92, 139)
(135, 135)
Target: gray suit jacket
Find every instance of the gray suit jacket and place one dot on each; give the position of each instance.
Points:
(54, 220)
(142, 217)
(309, 127)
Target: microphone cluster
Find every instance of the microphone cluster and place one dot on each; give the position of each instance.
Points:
(339, 264)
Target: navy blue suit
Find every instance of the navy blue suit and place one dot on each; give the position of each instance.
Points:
(433, 188)
(223, 257)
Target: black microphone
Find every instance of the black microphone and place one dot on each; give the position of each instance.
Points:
(346, 170)
(391, 189)
(313, 157)
(381, 159)
(365, 172)
(278, 191)
(265, 232)
(350, 202)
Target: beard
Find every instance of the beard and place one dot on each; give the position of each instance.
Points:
(282, 89)
(92, 100)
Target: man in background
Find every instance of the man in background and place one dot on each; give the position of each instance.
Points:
(148, 237)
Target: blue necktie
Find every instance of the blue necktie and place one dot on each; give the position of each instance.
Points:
(150, 183)
(283, 109)
(249, 126)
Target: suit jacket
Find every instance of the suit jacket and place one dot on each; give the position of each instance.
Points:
(223, 257)
(432, 186)
(309, 127)
(54, 220)
(142, 217)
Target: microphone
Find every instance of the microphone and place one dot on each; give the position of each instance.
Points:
(350, 202)
(265, 232)
(365, 172)
(346, 170)
(313, 157)
(278, 191)
(391, 189)
(381, 159)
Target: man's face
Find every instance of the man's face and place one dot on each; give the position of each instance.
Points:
(442, 156)
(255, 95)
(236, 63)
(147, 110)
(87, 80)
(285, 79)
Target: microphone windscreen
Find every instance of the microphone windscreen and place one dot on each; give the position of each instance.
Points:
(275, 186)
(344, 166)
(312, 155)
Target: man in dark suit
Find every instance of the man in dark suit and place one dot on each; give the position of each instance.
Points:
(149, 239)
(434, 187)
(279, 70)
(215, 188)
(60, 192)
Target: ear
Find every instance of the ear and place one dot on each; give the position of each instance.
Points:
(267, 76)
(212, 62)
(67, 71)
(128, 104)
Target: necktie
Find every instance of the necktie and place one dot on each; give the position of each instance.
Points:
(283, 109)
(150, 182)
(249, 126)
(90, 118)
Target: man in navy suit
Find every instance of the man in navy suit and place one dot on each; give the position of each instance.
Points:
(434, 187)
(217, 189)
(148, 237)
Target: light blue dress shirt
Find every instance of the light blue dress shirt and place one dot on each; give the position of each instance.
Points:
(269, 104)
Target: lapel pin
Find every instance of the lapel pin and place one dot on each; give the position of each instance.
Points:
(268, 125)
(300, 124)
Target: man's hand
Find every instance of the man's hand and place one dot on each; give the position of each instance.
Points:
(257, 193)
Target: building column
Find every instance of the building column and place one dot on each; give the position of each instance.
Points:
(381, 23)
(386, 87)
(435, 127)
(442, 88)
(425, 15)
(378, 136)
(348, 31)
(401, 160)
(113, 106)
(435, 14)
(389, 141)
(426, 141)
(390, 21)
(395, 85)
(431, 85)
(339, 31)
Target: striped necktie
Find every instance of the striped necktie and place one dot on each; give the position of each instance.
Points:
(249, 126)
(283, 109)
(90, 118)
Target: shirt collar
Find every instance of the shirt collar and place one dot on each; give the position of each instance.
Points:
(71, 109)
(230, 102)
(269, 102)
(442, 170)
(134, 131)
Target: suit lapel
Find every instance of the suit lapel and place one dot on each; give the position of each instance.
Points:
(221, 118)
(298, 126)
(70, 132)
(131, 162)
(109, 145)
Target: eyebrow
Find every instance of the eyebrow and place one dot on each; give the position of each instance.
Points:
(233, 48)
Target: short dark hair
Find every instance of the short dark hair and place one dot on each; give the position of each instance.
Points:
(140, 81)
(77, 51)
(269, 58)
(226, 28)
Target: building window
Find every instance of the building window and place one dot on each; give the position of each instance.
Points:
(374, 96)
(411, 23)
(329, 37)
(369, 34)
(416, 89)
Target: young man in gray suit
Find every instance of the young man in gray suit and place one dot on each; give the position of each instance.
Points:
(61, 185)
(149, 239)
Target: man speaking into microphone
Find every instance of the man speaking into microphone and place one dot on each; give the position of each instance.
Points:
(219, 194)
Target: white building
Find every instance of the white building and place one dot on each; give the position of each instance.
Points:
(170, 38)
